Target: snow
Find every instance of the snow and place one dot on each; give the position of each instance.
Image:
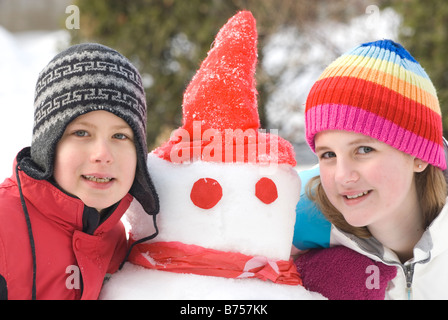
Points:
(22, 57)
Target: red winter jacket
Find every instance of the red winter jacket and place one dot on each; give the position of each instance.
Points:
(69, 263)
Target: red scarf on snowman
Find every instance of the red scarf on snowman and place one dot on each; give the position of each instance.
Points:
(186, 258)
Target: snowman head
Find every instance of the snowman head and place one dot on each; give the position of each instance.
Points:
(224, 183)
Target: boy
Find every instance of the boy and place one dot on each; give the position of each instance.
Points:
(60, 230)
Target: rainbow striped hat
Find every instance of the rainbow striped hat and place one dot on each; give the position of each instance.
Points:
(380, 90)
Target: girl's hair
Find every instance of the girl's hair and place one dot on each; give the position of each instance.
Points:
(431, 189)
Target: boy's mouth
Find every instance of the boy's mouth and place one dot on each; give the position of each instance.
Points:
(96, 179)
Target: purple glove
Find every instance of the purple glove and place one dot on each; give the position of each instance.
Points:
(340, 273)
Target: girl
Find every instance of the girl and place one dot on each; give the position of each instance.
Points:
(60, 230)
(374, 121)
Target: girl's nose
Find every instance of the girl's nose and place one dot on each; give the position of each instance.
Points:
(346, 172)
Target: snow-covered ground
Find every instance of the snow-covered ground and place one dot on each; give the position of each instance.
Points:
(22, 57)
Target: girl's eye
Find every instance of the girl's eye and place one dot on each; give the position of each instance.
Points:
(328, 155)
(364, 150)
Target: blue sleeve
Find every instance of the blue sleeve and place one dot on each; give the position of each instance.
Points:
(312, 229)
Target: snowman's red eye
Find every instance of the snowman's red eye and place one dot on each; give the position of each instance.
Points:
(266, 190)
(206, 193)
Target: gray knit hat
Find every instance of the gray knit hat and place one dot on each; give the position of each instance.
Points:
(81, 79)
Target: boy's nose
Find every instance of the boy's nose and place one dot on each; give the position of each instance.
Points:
(101, 153)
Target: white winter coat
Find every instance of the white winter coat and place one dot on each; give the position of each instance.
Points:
(425, 276)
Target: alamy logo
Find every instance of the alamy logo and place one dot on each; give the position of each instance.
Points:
(73, 280)
(227, 146)
(373, 280)
(373, 19)
(72, 21)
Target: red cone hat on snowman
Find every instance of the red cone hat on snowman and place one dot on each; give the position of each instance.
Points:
(220, 112)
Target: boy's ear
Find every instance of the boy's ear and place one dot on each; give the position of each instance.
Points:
(420, 165)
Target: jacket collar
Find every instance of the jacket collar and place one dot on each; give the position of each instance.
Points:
(433, 242)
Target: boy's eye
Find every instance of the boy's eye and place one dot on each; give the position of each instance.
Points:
(120, 136)
(364, 150)
(81, 133)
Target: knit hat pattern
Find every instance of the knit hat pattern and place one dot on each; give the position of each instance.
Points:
(84, 78)
(378, 89)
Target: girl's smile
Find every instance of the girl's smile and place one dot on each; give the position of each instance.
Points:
(352, 198)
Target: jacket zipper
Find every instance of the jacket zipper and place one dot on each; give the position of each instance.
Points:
(409, 273)
(407, 269)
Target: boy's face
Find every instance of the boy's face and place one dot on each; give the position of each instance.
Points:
(96, 159)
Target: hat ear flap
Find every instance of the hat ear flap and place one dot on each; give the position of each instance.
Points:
(145, 193)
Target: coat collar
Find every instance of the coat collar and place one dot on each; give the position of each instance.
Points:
(433, 242)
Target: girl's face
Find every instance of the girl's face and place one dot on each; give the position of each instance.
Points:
(368, 181)
(96, 159)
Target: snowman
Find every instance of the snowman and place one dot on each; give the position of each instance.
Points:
(227, 192)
